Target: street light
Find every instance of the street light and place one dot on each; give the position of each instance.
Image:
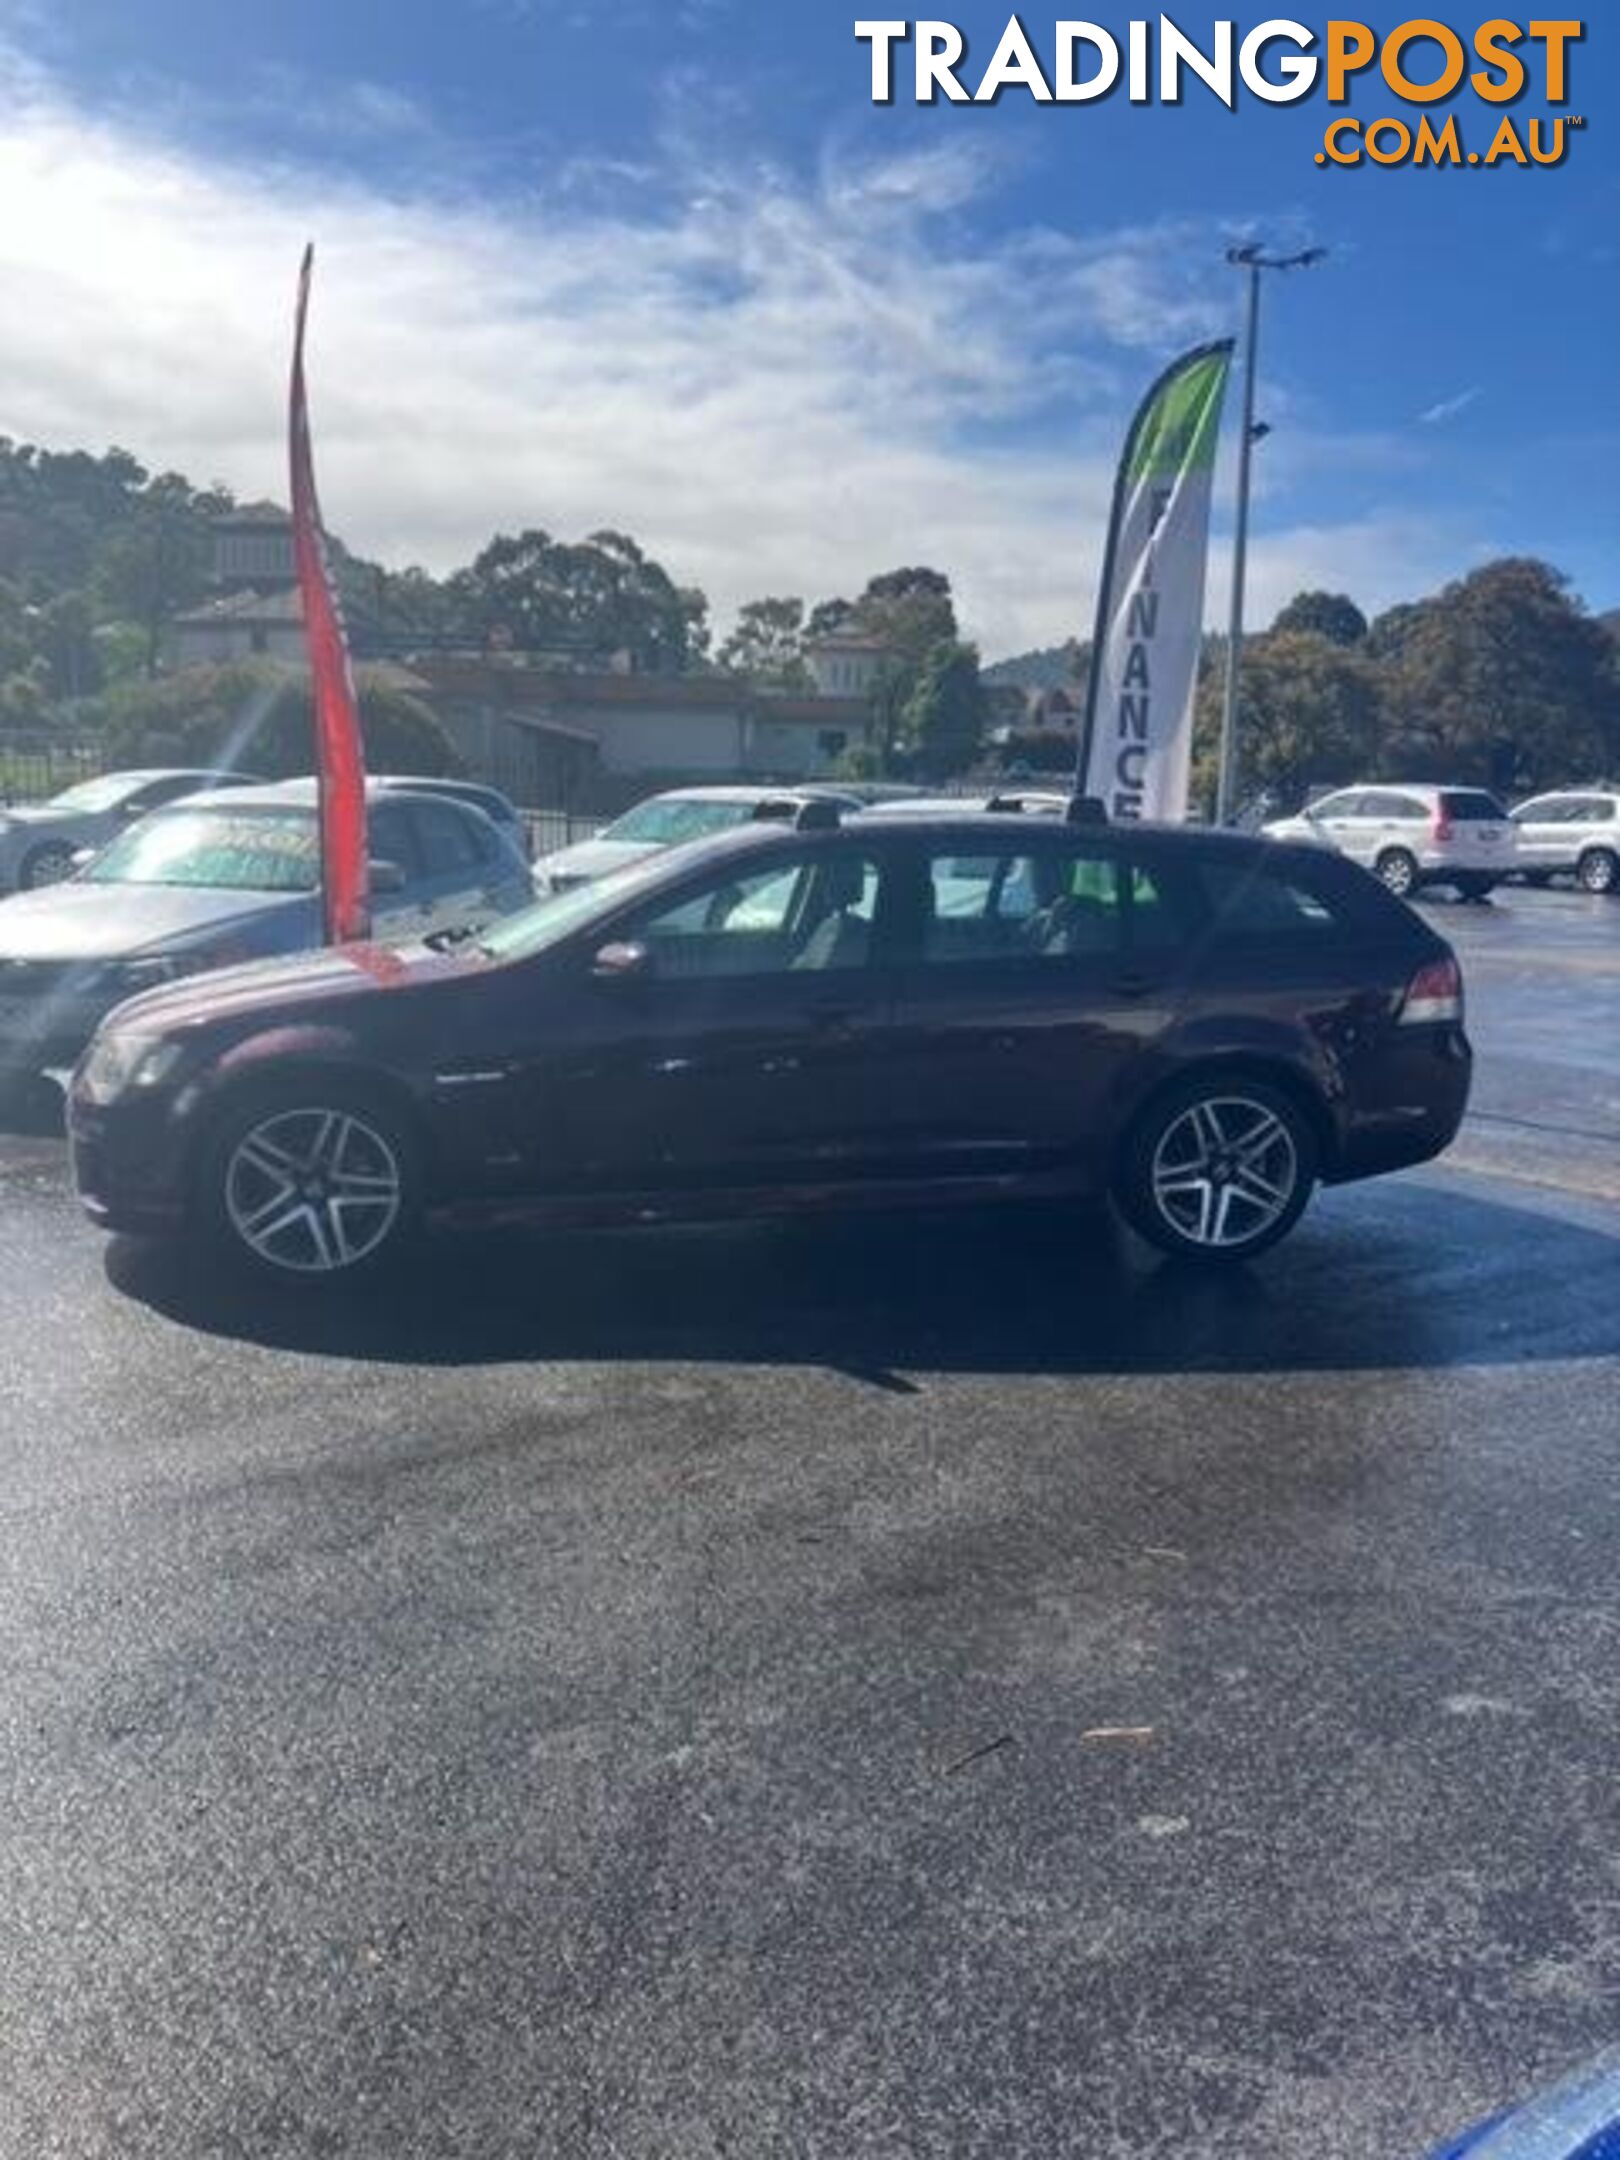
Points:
(1254, 260)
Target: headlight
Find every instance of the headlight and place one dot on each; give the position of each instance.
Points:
(116, 1063)
(130, 976)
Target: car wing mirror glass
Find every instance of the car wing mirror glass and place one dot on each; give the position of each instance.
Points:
(386, 877)
(621, 961)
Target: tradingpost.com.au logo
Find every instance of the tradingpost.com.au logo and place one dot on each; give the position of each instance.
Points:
(1492, 70)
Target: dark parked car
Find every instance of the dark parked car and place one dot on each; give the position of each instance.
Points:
(873, 1013)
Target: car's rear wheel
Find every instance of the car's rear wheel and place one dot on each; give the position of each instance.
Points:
(1399, 871)
(46, 865)
(1218, 1169)
(1598, 870)
(313, 1182)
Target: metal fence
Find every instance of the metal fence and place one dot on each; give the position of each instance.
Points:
(553, 829)
(36, 765)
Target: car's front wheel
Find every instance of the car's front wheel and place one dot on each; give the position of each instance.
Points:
(1599, 870)
(313, 1182)
(1218, 1169)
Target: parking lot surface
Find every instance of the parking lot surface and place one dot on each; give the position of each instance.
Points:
(957, 1688)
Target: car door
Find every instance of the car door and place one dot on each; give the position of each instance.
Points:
(1340, 823)
(1546, 833)
(1385, 820)
(731, 1035)
(1020, 1004)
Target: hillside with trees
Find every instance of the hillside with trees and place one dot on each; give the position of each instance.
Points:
(1503, 677)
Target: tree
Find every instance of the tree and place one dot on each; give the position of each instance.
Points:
(259, 716)
(1331, 615)
(1309, 712)
(158, 564)
(592, 598)
(1501, 678)
(943, 719)
(767, 645)
(911, 610)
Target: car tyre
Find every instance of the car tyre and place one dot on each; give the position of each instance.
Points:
(1476, 888)
(1399, 871)
(47, 864)
(1598, 871)
(310, 1184)
(1218, 1169)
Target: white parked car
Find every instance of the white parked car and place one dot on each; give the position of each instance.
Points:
(1573, 834)
(670, 820)
(1414, 836)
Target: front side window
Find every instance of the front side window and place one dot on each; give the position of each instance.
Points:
(445, 837)
(812, 916)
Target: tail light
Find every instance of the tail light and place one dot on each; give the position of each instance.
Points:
(1441, 834)
(1434, 997)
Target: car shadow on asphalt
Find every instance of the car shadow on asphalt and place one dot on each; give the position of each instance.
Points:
(1405, 1275)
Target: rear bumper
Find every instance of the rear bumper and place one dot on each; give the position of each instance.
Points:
(1407, 1108)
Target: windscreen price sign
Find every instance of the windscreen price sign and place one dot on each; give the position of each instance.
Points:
(1491, 74)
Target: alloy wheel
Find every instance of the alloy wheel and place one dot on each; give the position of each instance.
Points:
(1224, 1172)
(313, 1191)
(1399, 873)
(47, 866)
(1599, 871)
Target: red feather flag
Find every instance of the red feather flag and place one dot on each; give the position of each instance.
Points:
(339, 762)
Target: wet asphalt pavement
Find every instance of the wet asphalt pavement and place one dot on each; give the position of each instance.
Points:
(959, 1689)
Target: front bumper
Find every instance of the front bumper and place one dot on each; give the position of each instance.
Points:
(128, 1162)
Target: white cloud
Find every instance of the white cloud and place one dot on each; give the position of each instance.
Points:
(1450, 408)
(775, 385)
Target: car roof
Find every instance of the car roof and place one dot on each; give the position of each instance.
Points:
(297, 794)
(788, 791)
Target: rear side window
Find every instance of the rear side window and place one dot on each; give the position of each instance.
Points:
(1406, 808)
(1286, 902)
(1022, 903)
(1472, 807)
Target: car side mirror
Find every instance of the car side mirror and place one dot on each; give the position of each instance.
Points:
(621, 961)
(386, 877)
(83, 855)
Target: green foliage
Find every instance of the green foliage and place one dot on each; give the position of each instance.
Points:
(597, 597)
(1334, 616)
(767, 645)
(943, 719)
(1501, 678)
(1310, 712)
(259, 717)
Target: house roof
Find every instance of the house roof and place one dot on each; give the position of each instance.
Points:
(254, 513)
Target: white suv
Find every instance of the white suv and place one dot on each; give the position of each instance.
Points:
(1414, 836)
(1576, 834)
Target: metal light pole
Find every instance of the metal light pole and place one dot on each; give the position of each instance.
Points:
(1253, 260)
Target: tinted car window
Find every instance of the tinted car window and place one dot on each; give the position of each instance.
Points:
(389, 837)
(1021, 903)
(1337, 806)
(1472, 808)
(1260, 900)
(810, 916)
(1404, 807)
(448, 841)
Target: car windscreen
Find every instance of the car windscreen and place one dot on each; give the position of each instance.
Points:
(1473, 807)
(517, 937)
(236, 850)
(667, 823)
(91, 796)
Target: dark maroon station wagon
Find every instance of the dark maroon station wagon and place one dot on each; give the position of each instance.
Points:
(878, 1011)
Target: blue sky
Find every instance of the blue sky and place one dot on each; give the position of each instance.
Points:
(666, 268)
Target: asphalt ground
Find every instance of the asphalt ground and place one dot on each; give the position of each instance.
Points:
(956, 1688)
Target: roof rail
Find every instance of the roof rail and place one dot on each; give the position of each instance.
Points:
(818, 814)
(1086, 810)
